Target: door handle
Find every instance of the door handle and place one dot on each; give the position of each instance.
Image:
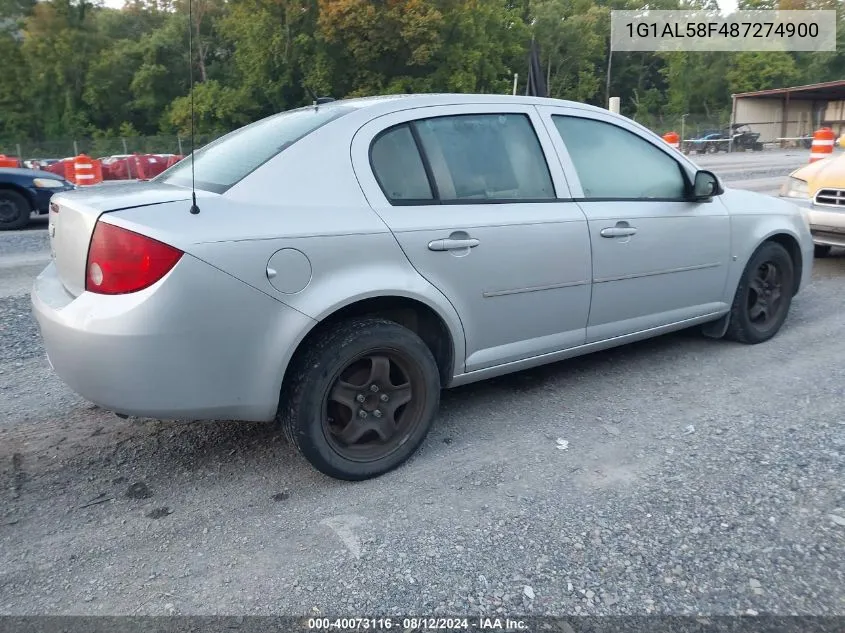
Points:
(449, 244)
(618, 231)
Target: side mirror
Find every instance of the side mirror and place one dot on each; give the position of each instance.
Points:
(706, 186)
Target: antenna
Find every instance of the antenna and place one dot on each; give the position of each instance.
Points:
(317, 100)
(194, 208)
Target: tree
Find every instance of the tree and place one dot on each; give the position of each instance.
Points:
(217, 109)
(760, 71)
(573, 38)
(273, 44)
(74, 68)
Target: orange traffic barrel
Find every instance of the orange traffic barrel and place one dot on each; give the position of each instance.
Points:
(673, 138)
(9, 161)
(63, 168)
(87, 171)
(823, 140)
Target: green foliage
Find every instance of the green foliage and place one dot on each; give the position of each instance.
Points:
(77, 69)
(573, 38)
(760, 71)
(696, 82)
(217, 109)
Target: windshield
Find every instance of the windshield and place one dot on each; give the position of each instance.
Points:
(221, 164)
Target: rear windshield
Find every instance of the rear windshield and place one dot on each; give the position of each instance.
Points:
(221, 164)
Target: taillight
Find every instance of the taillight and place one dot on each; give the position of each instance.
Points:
(122, 261)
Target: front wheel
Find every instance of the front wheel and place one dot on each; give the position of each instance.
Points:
(763, 296)
(14, 210)
(361, 399)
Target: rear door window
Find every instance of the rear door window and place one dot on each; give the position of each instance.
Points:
(485, 157)
(462, 159)
(398, 167)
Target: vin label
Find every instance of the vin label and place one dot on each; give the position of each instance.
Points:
(644, 30)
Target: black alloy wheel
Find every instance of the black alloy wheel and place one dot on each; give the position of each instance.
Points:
(374, 405)
(361, 398)
(14, 210)
(764, 295)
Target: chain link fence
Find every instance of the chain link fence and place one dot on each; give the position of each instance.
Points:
(165, 144)
(755, 131)
(103, 147)
(699, 134)
(688, 127)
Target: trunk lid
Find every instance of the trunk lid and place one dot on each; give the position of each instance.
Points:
(74, 214)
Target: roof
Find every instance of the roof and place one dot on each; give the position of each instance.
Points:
(827, 91)
(458, 97)
(393, 103)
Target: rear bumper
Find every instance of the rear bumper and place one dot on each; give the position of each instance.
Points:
(199, 344)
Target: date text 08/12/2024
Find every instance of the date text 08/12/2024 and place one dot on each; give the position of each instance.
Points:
(415, 623)
(756, 30)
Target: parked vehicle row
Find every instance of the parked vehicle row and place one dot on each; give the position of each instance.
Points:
(118, 167)
(738, 137)
(24, 192)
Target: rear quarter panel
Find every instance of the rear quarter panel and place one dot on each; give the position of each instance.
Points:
(307, 198)
(344, 269)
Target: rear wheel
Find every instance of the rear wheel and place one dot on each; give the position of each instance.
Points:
(821, 250)
(361, 399)
(14, 210)
(764, 295)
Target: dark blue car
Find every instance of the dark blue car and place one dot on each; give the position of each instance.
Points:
(24, 191)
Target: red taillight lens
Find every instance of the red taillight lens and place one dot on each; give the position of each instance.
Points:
(122, 261)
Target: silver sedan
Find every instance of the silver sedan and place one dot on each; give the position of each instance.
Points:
(346, 261)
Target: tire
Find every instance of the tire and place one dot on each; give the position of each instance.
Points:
(14, 210)
(821, 250)
(770, 270)
(323, 399)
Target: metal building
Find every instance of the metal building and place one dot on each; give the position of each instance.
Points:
(787, 114)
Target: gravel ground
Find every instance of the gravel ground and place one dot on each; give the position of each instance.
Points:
(700, 477)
